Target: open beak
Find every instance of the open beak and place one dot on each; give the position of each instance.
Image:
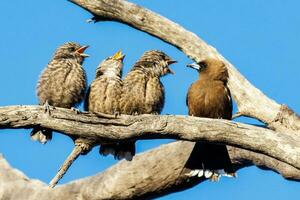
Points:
(171, 71)
(118, 56)
(170, 62)
(81, 51)
(194, 66)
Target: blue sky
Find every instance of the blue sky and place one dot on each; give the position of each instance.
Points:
(261, 38)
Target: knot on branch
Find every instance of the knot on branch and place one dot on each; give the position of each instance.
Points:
(286, 117)
(84, 144)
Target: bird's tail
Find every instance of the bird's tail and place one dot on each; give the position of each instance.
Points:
(210, 161)
(41, 135)
(125, 150)
(107, 149)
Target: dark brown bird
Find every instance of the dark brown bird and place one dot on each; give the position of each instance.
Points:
(143, 93)
(105, 92)
(210, 97)
(62, 83)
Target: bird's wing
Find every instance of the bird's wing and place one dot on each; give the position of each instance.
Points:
(155, 96)
(133, 93)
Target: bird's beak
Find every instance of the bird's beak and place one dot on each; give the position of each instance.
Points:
(194, 66)
(170, 62)
(81, 51)
(118, 56)
(171, 71)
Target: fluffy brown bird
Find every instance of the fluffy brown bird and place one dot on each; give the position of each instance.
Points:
(62, 83)
(210, 97)
(142, 92)
(105, 92)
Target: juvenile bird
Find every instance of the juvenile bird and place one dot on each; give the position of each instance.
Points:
(105, 91)
(210, 97)
(142, 92)
(62, 83)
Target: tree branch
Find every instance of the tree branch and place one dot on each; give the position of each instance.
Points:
(251, 101)
(130, 180)
(282, 146)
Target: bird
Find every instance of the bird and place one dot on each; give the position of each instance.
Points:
(210, 97)
(143, 92)
(62, 83)
(105, 91)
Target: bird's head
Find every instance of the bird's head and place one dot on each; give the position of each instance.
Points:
(210, 68)
(71, 50)
(157, 62)
(111, 66)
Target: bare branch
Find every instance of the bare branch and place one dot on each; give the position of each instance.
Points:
(282, 146)
(82, 146)
(64, 168)
(251, 101)
(140, 178)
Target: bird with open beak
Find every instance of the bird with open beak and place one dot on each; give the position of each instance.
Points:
(62, 83)
(105, 91)
(143, 92)
(210, 97)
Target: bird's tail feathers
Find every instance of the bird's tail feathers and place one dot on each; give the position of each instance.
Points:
(107, 149)
(125, 150)
(210, 161)
(41, 135)
(212, 175)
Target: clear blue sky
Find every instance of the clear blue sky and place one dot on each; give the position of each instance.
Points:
(261, 38)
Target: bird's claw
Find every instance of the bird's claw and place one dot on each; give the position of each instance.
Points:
(135, 113)
(48, 108)
(117, 114)
(155, 113)
(77, 111)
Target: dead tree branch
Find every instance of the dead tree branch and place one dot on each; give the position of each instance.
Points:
(130, 180)
(251, 101)
(282, 146)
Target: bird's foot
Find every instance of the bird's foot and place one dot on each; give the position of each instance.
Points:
(48, 108)
(117, 114)
(154, 113)
(135, 113)
(76, 110)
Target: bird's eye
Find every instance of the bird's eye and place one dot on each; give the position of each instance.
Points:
(72, 48)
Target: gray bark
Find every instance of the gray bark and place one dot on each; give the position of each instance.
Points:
(151, 174)
(281, 146)
(250, 100)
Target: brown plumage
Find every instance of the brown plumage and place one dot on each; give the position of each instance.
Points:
(210, 97)
(105, 91)
(62, 83)
(143, 93)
